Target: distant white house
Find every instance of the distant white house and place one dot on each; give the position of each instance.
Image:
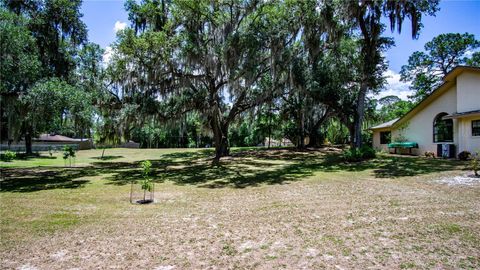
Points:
(54, 139)
(447, 120)
(274, 143)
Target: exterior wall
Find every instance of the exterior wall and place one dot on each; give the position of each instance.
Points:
(44, 146)
(419, 128)
(467, 142)
(376, 141)
(85, 145)
(464, 96)
(468, 96)
(130, 144)
(81, 145)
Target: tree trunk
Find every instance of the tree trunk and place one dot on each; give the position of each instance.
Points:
(357, 139)
(301, 143)
(314, 138)
(8, 106)
(351, 130)
(28, 143)
(221, 149)
(218, 124)
(313, 134)
(269, 125)
(220, 136)
(221, 142)
(269, 138)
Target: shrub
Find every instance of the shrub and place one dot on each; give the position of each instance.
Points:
(475, 163)
(367, 152)
(351, 155)
(464, 155)
(362, 153)
(68, 153)
(146, 182)
(9, 156)
(367, 138)
(192, 143)
(400, 138)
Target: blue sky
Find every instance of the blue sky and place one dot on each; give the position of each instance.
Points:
(103, 17)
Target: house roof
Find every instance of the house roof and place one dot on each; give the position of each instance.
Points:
(386, 124)
(448, 81)
(462, 114)
(55, 138)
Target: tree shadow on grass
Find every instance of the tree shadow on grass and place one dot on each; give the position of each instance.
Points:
(247, 169)
(107, 157)
(242, 177)
(23, 156)
(237, 173)
(29, 180)
(105, 166)
(279, 154)
(189, 155)
(391, 166)
(394, 167)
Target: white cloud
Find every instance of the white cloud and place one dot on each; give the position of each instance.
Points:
(394, 86)
(107, 55)
(119, 26)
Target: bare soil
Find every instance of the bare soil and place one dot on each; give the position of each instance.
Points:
(350, 218)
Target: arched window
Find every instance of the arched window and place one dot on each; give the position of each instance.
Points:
(442, 129)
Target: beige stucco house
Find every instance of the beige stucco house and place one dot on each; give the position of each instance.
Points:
(450, 115)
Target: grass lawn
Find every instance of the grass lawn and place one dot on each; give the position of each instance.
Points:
(259, 209)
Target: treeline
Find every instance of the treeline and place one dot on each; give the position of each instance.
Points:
(211, 73)
(48, 69)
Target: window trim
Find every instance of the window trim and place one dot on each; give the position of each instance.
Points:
(381, 137)
(472, 127)
(436, 121)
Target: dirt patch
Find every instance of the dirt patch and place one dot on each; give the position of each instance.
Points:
(319, 223)
(467, 179)
(294, 210)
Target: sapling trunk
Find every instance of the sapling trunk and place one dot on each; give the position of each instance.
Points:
(131, 191)
(28, 143)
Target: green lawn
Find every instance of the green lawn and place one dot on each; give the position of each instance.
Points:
(91, 157)
(257, 209)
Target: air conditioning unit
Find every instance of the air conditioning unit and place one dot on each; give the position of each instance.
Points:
(446, 150)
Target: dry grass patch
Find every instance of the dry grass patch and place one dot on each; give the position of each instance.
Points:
(257, 209)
